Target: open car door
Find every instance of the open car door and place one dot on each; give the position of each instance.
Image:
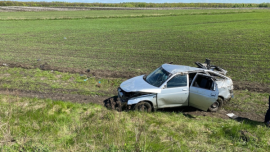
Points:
(203, 92)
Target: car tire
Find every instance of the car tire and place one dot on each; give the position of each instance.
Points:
(216, 105)
(143, 107)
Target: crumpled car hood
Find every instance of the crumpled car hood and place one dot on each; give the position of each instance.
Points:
(138, 84)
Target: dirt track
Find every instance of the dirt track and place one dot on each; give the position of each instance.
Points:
(250, 86)
(24, 8)
(55, 96)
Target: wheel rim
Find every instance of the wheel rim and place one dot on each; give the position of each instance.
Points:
(215, 105)
(143, 108)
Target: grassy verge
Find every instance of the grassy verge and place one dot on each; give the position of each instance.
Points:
(30, 124)
(56, 82)
(245, 101)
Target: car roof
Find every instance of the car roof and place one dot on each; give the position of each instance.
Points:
(173, 69)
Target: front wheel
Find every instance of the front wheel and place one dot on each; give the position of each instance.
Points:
(143, 106)
(216, 105)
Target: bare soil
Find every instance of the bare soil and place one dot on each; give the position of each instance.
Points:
(55, 96)
(251, 86)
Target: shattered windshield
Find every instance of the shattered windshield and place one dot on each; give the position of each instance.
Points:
(158, 77)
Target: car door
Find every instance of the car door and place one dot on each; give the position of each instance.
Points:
(203, 92)
(175, 93)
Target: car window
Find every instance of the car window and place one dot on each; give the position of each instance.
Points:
(177, 81)
(192, 75)
(204, 82)
(158, 77)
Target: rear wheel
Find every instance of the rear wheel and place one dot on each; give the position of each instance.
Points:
(216, 105)
(143, 106)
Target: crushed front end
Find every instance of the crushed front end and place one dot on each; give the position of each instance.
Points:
(128, 99)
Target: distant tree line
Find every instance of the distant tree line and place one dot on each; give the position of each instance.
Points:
(131, 4)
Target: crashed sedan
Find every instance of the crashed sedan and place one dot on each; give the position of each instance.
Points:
(205, 87)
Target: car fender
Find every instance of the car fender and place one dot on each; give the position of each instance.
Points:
(149, 97)
(223, 88)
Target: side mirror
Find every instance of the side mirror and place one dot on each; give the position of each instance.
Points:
(165, 86)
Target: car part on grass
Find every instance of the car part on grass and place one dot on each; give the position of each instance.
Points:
(113, 103)
(176, 86)
(232, 115)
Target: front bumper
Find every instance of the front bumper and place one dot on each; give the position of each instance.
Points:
(122, 95)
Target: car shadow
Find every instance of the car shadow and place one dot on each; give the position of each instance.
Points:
(247, 121)
(184, 110)
(178, 109)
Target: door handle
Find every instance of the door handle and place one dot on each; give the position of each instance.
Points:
(213, 94)
(184, 89)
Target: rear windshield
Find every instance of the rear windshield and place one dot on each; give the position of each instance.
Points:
(158, 77)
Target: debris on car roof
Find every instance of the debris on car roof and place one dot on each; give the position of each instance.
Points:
(208, 66)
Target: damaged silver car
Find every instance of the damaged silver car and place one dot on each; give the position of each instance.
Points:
(205, 87)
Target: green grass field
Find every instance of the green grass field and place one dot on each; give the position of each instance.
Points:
(132, 42)
(93, 14)
(237, 41)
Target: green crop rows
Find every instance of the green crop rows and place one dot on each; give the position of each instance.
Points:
(129, 41)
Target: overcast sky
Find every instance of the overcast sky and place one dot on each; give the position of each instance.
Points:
(157, 1)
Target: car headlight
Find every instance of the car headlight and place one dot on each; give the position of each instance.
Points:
(230, 87)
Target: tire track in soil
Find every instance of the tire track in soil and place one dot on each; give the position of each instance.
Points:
(250, 86)
(55, 96)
